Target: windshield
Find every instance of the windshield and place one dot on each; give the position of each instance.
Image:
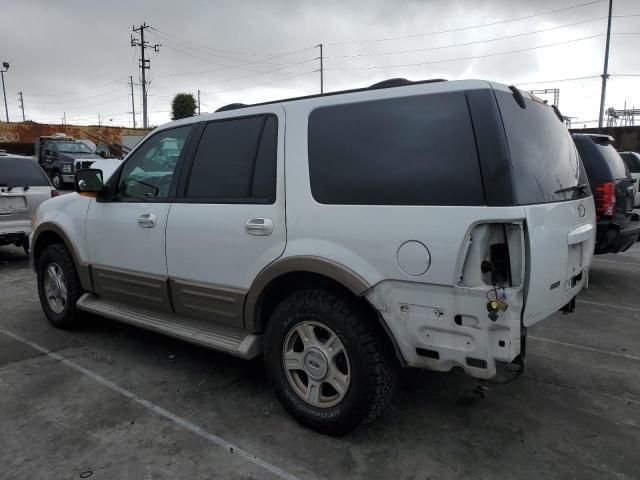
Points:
(21, 172)
(73, 147)
(545, 162)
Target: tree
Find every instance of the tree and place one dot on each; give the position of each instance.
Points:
(183, 106)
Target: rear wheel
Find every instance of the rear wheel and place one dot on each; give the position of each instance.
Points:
(58, 286)
(330, 367)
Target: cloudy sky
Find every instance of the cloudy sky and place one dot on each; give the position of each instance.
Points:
(74, 57)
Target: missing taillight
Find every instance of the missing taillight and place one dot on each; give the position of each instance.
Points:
(605, 200)
(493, 256)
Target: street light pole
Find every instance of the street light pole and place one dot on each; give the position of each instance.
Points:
(5, 66)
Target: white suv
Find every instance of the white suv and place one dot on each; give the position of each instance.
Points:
(423, 224)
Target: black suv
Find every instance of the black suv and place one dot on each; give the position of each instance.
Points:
(613, 193)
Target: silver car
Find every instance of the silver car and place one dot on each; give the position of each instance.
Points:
(23, 187)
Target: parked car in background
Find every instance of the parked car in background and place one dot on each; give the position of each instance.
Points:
(23, 187)
(60, 156)
(632, 160)
(613, 191)
(424, 224)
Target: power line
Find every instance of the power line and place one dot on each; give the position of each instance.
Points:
(459, 29)
(440, 47)
(82, 107)
(242, 77)
(264, 83)
(226, 66)
(119, 90)
(92, 89)
(264, 55)
(475, 57)
(590, 77)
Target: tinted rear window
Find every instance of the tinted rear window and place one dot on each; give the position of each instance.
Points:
(632, 160)
(602, 162)
(543, 156)
(21, 172)
(416, 150)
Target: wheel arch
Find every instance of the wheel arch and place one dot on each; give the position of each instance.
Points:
(283, 277)
(48, 233)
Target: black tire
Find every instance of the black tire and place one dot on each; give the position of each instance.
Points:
(58, 254)
(57, 180)
(373, 365)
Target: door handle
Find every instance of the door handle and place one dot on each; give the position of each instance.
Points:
(147, 220)
(260, 227)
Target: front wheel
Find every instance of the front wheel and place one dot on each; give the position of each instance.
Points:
(58, 286)
(330, 366)
(57, 180)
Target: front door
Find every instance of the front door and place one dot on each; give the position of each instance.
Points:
(230, 224)
(126, 231)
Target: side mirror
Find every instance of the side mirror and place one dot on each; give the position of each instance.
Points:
(89, 180)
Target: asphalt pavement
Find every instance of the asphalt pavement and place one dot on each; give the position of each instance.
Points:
(114, 402)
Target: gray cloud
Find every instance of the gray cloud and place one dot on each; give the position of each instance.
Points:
(81, 49)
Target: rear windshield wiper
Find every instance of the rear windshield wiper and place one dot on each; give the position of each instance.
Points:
(576, 188)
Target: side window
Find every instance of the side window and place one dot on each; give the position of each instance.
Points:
(417, 150)
(150, 170)
(236, 161)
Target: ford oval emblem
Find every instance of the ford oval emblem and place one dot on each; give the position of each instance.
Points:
(581, 210)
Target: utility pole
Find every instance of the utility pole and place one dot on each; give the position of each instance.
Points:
(321, 71)
(198, 102)
(605, 73)
(145, 64)
(99, 120)
(133, 102)
(21, 105)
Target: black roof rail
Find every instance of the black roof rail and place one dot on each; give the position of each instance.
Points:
(399, 82)
(393, 82)
(232, 106)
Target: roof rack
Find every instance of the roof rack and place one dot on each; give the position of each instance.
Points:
(232, 106)
(390, 83)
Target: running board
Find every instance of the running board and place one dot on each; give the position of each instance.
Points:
(226, 339)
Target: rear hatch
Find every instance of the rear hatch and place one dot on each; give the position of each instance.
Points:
(23, 186)
(552, 187)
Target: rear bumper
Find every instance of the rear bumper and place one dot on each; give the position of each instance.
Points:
(68, 178)
(439, 327)
(612, 239)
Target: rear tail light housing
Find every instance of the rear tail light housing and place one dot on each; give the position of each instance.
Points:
(54, 193)
(605, 200)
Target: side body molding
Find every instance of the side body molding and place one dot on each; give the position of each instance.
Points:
(298, 264)
(84, 271)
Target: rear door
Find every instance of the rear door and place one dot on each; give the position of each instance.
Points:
(230, 224)
(552, 186)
